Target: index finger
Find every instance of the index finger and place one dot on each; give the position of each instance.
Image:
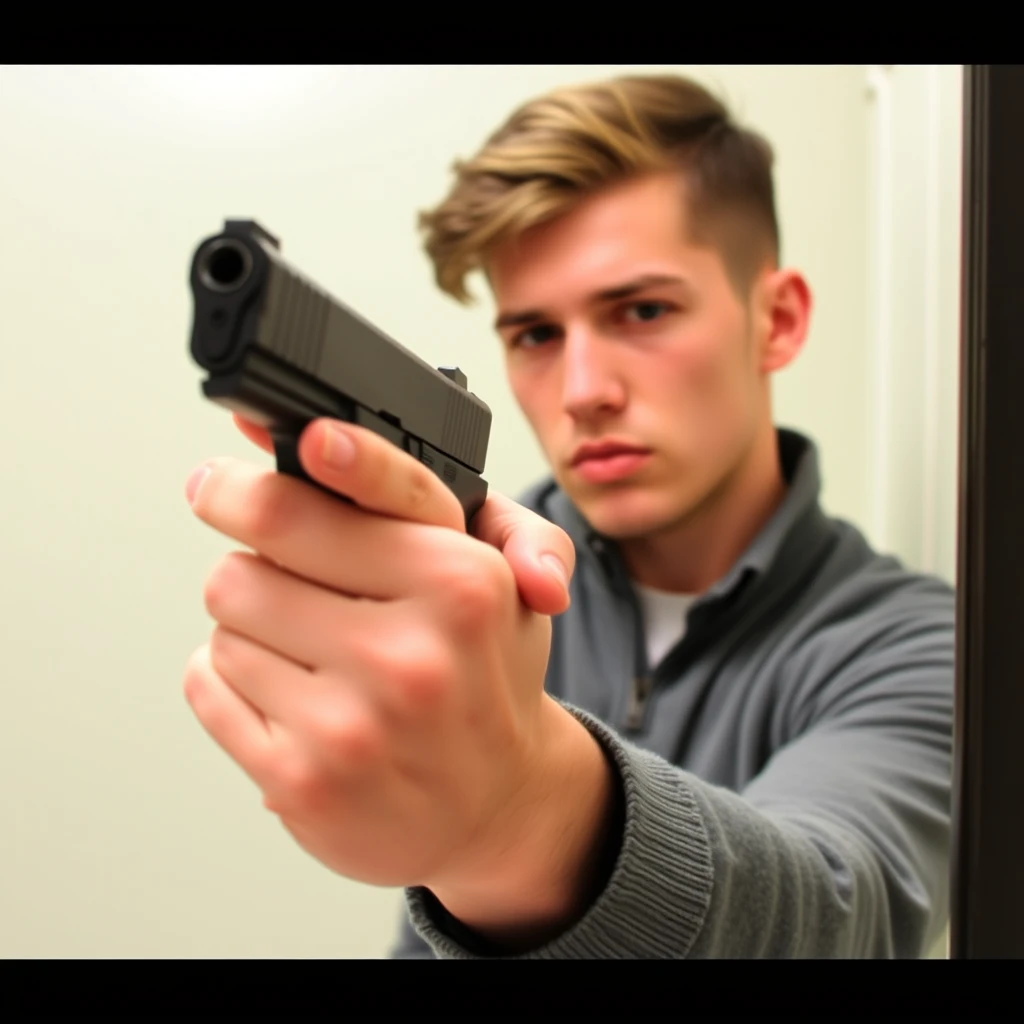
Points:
(379, 477)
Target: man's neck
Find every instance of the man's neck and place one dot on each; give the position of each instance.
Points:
(691, 555)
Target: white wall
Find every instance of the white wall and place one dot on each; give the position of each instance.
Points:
(915, 121)
(914, 206)
(125, 831)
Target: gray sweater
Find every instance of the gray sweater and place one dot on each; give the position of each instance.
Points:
(786, 768)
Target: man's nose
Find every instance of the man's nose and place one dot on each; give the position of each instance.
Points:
(590, 384)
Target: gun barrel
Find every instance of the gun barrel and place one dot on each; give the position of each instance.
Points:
(259, 320)
(225, 265)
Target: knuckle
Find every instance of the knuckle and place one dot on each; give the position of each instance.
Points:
(475, 589)
(350, 737)
(420, 487)
(373, 467)
(406, 486)
(228, 658)
(413, 669)
(223, 583)
(298, 786)
(270, 512)
(420, 671)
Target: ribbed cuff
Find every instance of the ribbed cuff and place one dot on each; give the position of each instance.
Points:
(655, 902)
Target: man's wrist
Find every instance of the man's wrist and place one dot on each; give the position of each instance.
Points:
(557, 867)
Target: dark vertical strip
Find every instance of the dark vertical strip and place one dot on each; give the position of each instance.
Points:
(987, 871)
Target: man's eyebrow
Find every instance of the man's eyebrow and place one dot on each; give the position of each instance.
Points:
(638, 285)
(528, 316)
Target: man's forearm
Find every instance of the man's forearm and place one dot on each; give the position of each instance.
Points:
(704, 872)
(557, 859)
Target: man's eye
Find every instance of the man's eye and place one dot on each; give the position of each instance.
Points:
(534, 336)
(645, 311)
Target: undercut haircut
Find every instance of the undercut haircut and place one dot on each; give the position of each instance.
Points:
(569, 144)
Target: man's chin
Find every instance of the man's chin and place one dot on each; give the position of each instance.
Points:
(624, 515)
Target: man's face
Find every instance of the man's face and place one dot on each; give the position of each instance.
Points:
(634, 361)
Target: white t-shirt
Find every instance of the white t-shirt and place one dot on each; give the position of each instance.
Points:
(664, 620)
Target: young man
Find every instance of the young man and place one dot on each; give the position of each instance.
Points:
(742, 747)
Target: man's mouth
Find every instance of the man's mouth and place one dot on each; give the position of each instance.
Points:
(603, 462)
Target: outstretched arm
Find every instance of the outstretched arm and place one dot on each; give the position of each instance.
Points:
(380, 678)
(839, 848)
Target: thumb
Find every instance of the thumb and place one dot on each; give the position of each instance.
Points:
(541, 555)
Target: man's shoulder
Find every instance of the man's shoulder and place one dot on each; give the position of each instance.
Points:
(856, 632)
(866, 577)
(865, 614)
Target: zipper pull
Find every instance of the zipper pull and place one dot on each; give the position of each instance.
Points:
(639, 693)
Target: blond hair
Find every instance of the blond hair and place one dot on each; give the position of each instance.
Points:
(562, 147)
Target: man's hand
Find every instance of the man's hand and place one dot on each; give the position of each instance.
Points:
(541, 556)
(377, 674)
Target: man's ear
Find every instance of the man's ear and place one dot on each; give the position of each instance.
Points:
(785, 302)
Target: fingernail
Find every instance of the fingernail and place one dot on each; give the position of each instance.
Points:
(339, 448)
(197, 476)
(557, 566)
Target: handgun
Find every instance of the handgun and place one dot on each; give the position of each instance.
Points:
(281, 352)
